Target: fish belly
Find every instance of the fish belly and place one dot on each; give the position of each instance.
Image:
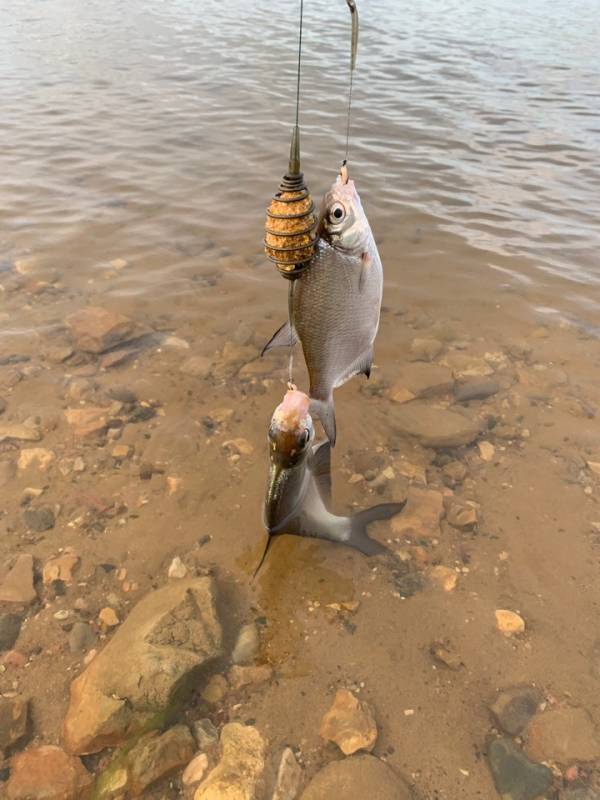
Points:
(336, 315)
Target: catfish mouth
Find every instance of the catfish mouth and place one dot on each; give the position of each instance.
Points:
(288, 447)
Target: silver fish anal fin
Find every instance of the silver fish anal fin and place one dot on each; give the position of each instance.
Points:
(362, 366)
(321, 470)
(281, 338)
(366, 262)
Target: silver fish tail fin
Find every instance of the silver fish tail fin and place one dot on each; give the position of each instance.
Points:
(359, 538)
(283, 337)
(325, 412)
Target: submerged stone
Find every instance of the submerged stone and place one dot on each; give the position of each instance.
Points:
(515, 776)
(145, 668)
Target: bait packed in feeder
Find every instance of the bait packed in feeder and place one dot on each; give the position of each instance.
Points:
(291, 225)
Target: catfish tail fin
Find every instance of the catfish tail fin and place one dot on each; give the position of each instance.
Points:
(359, 538)
(325, 412)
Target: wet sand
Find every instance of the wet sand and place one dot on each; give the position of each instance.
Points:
(122, 192)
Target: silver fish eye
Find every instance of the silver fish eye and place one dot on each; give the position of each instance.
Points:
(337, 212)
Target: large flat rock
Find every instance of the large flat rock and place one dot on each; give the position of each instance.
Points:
(419, 380)
(434, 426)
(357, 778)
(167, 638)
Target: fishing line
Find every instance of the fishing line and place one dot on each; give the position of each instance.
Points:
(353, 51)
(291, 286)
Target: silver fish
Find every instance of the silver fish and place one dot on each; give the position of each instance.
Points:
(298, 495)
(336, 301)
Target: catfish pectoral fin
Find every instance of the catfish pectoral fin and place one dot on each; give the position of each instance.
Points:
(324, 410)
(359, 538)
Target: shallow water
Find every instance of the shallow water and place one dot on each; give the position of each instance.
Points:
(141, 143)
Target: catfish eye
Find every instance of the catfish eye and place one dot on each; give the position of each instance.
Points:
(304, 438)
(337, 212)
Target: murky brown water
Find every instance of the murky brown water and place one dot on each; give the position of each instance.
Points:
(140, 146)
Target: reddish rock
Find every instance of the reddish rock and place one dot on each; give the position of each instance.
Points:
(350, 723)
(17, 586)
(563, 734)
(88, 422)
(96, 330)
(48, 773)
(14, 713)
(154, 757)
(421, 517)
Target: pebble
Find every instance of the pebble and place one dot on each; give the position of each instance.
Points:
(39, 519)
(421, 516)
(155, 756)
(78, 464)
(425, 349)
(362, 777)
(215, 689)
(515, 776)
(28, 431)
(487, 451)
(195, 770)
(289, 777)
(7, 472)
(350, 723)
(197, 367)
(177, 569)
(10, 627)
(432, 426)
(454, 472)
(60, 568)
(239, 773)
(17, 586)
(462, 516)
(239, 676)
(509, 623)
(87, 423)
(108, 617)
(444, 578)
(121, 451)
(176, 343)
(239, 446)
(41, 773)
(95, 330)
(420, 380)
(81, 637)
(563, 734)
(445, 654)
(246, 646)
(513, 708)
(14, 715)
(39, 456)
(475, 389)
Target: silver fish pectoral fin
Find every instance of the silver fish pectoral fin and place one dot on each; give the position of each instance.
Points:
(285, 336)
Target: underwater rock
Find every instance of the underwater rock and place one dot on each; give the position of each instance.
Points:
(169, 635)
(48, 773)
(350, 723)
(238, 775)
(562, 734)
(357, 778)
